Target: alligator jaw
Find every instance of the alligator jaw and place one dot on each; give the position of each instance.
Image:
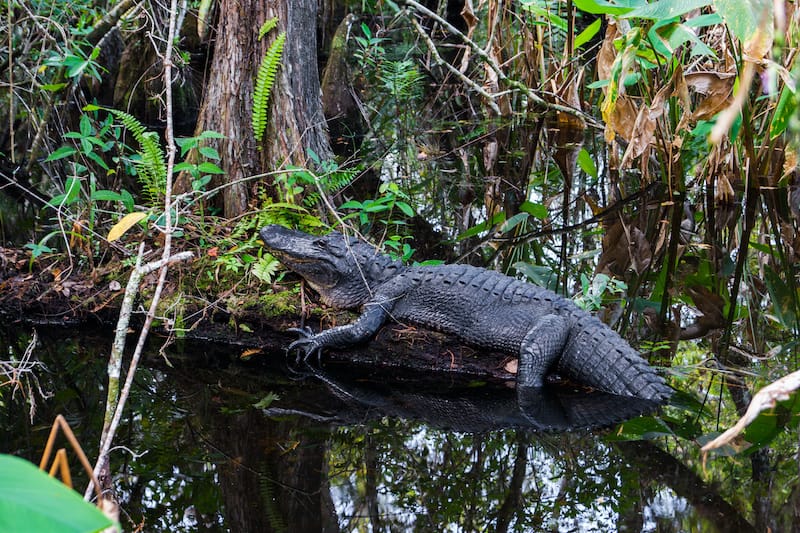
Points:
(301, 253)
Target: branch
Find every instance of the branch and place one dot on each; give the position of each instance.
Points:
(439, 61)
(530, 93)
(140, 271)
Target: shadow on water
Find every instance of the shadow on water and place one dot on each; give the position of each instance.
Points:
(213, 443)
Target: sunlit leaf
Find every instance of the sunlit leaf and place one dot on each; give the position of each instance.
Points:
(30, 500)
(666, 9)
(588, 33)
(586, 163)
(601, 7)
(784, 111)
(124, 224)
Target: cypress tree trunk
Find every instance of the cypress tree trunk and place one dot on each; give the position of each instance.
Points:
(296, 122)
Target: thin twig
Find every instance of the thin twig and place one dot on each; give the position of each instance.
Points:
(530, 93)
(457, 73)
(162, 264)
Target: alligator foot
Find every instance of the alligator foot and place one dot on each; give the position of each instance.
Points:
(307, 345)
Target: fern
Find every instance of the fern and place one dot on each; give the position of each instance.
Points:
(151, 165)
(264, 81)
(267, 26)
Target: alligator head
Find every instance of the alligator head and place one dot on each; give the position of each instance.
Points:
(343, 270)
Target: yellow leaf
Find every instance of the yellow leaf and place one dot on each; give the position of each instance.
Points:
(124, 224)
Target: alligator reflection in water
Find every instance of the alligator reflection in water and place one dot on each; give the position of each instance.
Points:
(475, 409)
(213, 461)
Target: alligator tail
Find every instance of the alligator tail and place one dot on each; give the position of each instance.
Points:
(597, 356)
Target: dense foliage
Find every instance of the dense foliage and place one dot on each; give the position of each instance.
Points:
(639, 156)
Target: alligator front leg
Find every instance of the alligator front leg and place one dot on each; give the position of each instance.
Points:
(362, 329)
(540, 350)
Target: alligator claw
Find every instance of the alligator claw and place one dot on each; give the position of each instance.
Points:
(307, 344)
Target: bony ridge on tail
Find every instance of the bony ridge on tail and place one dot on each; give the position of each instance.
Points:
(548, 332)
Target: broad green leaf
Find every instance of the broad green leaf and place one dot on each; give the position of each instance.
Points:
(784, 111)
(601, 7)
(61, 153)
(666, 9)
(538, 274)
(352, 204)
(405, 208)
(534, 209)
(586, 163)
(30, 500)
(744, 19)
(124, 224)
(483, 226)
(104, 195)
(53, 87)
(72, 188)
(209, 152)
(211, 134)
(180, 167)
(208, 167)
(514, 221)
(587, 34)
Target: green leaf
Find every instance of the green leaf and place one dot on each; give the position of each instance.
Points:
(642, 428)
(405, 208)
(587, 34)
(266, 401)
(744, 16)
(30, 500)
(53, 87)
(263, 86)
(534, 209)
(352, 204)
(514, 221)
(208, 167)
(267, 26)
(211, 134)
(666, 9)
(601, 7)
(180, 167)
(61, 153)
(72, 188)
(784, 111)
(586, 163)
(209, 152)
(106, 196)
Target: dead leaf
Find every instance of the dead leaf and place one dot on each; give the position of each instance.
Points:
(716, 87)
(124, 224)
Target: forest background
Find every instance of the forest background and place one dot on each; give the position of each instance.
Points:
(641, 157)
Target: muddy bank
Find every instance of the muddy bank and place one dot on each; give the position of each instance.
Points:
(49, 294)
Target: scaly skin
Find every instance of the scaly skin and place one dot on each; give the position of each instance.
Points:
(549, 333)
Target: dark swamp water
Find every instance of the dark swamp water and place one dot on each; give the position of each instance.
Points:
(213, 443)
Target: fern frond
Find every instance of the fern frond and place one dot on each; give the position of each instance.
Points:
(267, 26)
(264, 80)
(151, 166)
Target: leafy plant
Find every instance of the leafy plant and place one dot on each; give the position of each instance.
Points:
(265, 78)
(595, 290)
(30, 500)
(202, 172)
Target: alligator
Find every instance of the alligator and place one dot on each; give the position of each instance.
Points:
(550, 334)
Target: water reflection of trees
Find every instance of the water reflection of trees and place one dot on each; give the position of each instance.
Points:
(214, 461)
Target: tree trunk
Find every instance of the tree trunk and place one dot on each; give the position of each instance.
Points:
(296, 123)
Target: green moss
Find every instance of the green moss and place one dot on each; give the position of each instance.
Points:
(275, 304)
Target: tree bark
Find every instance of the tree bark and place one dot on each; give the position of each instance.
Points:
(296, 123)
